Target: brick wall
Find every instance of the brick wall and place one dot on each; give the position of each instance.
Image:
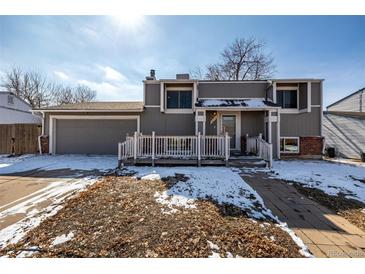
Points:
(311, 145)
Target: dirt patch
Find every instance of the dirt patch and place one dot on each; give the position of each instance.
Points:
(119, 217)
(350, 209)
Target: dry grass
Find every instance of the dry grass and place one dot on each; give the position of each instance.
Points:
(119, 217)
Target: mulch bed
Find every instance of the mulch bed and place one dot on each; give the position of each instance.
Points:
(350, 209)
(119, 217)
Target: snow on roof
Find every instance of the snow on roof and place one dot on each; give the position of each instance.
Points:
(247, 103)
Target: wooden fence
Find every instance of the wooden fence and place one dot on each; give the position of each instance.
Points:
(19, 138)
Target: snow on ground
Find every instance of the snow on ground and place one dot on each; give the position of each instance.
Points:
(56, 193)
(52, 162)
(220, 184)
(332, 178)
(8, 160)
(62, 239)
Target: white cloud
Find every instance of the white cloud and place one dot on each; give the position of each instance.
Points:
(61, 75)
(112, 74)
(114, 92)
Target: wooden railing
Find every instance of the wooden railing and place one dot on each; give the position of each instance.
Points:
(177, 147)
(258, 146)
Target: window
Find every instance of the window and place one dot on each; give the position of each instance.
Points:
(10, 100)
(179, 99)
(289, 144)
(287, 98)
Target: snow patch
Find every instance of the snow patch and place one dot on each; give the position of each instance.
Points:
(56, 192)
(172, 201)
(63, 239)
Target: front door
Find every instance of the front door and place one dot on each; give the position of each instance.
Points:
(229, 125)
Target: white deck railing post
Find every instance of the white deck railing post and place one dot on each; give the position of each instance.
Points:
(270, 155)
(119, 154)
(199, 148)
(135, 147)
(227, 147)
(153, 148)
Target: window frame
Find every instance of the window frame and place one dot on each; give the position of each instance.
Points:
(289, 152)
(179, 110)
(286, 88)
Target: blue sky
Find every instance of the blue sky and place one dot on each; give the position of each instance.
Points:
(113, 54)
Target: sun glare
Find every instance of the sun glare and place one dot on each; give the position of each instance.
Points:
(128, 21)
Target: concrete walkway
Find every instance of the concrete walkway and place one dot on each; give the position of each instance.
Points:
(325, 233)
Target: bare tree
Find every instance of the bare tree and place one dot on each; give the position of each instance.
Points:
(84, 94)
(34, 88)
(244, 59)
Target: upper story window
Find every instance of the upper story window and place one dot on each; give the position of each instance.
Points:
(179, 99)
(287, 98)
(10, 100)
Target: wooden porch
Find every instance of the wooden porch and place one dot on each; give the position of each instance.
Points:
(191, 150)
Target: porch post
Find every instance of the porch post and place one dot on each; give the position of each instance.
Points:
(198, 148)
(227, 147)
(269, 127)
(153, 148)
(135, 147)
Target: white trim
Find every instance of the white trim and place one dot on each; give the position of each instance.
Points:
(162, 95)
(269, 128)
(278, 136)
(238, 126)
(291, 152)
(89, 110)
(234, 81)
(179, 110)
(274, 92)
(235, 108)
(152, 106)
(231, 98)
(290, 110)
(53, 120)
(309, 96)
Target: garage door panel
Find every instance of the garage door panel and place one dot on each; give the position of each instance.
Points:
(88, 136)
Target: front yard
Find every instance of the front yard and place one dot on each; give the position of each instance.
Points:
(170, 211)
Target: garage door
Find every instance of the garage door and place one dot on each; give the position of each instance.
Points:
(87, 136)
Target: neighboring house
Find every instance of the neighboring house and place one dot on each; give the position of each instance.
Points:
(14, 110)
(286, 112)
(344, 125)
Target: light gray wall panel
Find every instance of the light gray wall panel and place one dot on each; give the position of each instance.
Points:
(302, 124)
(252, 123)
(232, 90)
(152, 94)
(316, 93)
(152, 119)
(303, 95)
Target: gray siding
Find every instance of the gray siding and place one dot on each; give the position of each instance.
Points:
(302, 124)
(211, 123)
(252, 123)
(303, 95)
(352, 103)
(316, 93)
(270, 93)
(92, 136)
(232, 90)
(274, 140)
(152, 119)
(344, 133)
(152, 94)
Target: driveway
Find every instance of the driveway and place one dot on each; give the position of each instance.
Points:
(324, 232)
(35, 187)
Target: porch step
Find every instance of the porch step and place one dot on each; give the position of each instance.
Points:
(247, 161)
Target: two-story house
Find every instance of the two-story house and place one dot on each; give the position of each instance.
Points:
(285, 113)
